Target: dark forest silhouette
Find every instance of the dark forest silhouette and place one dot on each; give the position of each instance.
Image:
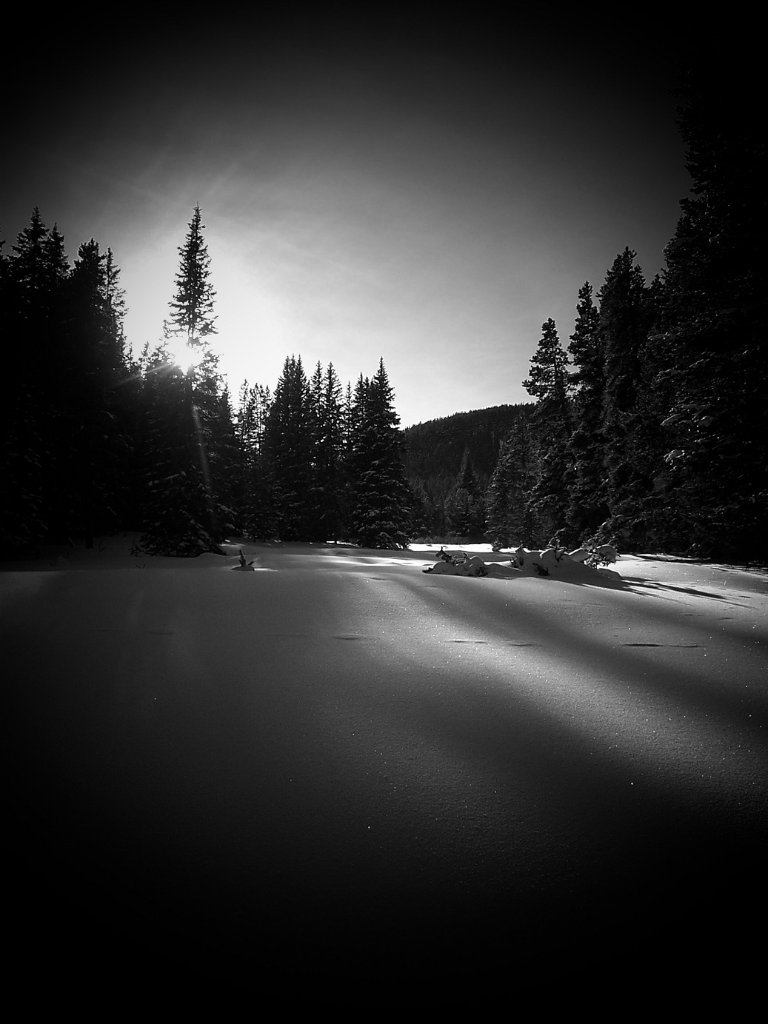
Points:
(647, 429)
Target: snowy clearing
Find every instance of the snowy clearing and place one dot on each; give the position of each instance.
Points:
(332, 764)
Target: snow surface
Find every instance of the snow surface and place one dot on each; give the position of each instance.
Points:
(335, 768)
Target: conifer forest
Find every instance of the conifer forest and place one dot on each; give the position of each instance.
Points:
(646, 428)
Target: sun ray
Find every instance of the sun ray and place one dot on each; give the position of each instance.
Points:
(182, 354)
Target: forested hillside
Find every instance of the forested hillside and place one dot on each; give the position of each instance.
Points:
(442, 454)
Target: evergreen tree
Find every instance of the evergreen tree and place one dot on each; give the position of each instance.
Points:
(624, 323)
(176, 509)
(424, 516)
(587, 501)
(347, 414)
(253, 495)
(91, 490)
(192, 319)
(184, 512)
(224, 463)
(651, 517)
(550, 384)
(288, 444)
(330, 482)
(381, 513)
(548, 379)
(510, 520)
(33, 435)
(38, 270)
(465, 505)
(713, 321)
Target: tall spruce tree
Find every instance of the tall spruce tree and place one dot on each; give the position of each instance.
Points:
(224, 463)
(65, 453)
(192, 319)
(381, 514)
(35, 441)
(92, 396)
(254, 488)
(183, 512)
(587, 501)
(549, 382)
(288, 453)
(510, 521)
(624, 323)
(330, 481)
(713, 323)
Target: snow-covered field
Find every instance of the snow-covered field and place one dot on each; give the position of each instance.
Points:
(335, 768)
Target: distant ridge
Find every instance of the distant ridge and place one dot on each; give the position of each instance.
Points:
(437, 446)
(434, 450)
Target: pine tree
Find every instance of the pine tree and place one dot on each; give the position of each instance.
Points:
(381, 514)
(587, 500)
(510, 521)
(192, 319)
(224, 464)
(38, 270)
(288, 452)
(174, 507)
(33, 435)
(713, 323)
(330, 482)
(464, 504)
(184, 512)
(425, 517)
(624, 323)
(91, 492)
(253, 497)
(550, 384)
(548, 379)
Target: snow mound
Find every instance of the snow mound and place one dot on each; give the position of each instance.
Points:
(549, 562)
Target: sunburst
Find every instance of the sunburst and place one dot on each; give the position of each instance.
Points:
(182, 354)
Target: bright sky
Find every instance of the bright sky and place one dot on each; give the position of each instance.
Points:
(388, 188)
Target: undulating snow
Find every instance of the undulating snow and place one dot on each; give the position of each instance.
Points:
(332, 765)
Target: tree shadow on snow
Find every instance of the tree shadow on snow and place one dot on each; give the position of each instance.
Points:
(669, 588)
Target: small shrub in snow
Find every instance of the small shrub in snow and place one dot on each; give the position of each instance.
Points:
(601, 554)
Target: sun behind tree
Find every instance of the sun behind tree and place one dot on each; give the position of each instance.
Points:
(192, 319)
(186, 509)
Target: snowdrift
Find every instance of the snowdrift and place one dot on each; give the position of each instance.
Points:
(549, 562)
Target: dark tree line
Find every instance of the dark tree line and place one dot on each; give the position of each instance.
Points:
(648, 429)
(64, 421)
(651, 429)
(322, 462)
(95, 441)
